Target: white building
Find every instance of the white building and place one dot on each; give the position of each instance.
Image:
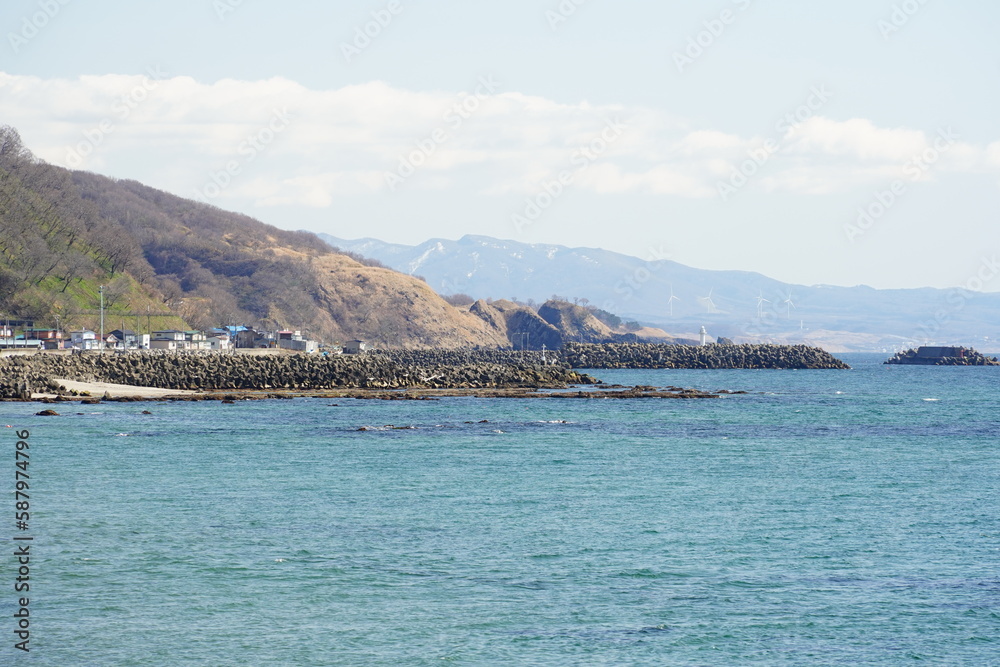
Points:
(169, 339)
(220, 342)
(356, 347)
(84, 340)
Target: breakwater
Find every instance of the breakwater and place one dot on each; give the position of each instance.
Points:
(646, 355)
(943, 356)
(21, 375)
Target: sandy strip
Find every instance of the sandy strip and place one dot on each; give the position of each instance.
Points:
(97, 389)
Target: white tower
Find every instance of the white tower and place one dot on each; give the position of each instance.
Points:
(704, 336)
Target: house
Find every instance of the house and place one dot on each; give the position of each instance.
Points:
(219, 340)
(20, 342)
(84, 340)
(196, 340)
(298, 345)
(169, 339)
(50, 339)
(169, 334)
(235, 333)
(293, 340)
(247, 337)
(356, 347)
(263, 339)
(126, 337)
(40, 334)
(219, 343)
(165, 344)
(56, 344)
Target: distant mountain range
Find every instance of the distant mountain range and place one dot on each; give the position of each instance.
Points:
(737, 304)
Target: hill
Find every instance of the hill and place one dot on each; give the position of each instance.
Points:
(726, 302)
(165, 262)
(558, 322)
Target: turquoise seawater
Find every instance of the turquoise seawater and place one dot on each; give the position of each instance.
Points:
(824, 518)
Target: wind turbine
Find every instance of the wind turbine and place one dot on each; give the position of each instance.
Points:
(670, 301)
(707, 300)
(760, 304)
(789, 305)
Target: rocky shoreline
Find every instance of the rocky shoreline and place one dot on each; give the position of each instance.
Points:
(24, 375)
(596, 393)
(746, 356)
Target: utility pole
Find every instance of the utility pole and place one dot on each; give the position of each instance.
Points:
(100, 346)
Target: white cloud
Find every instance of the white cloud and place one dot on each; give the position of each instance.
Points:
(993, 154)
(857, 139)
(611, 179)
(180, 134)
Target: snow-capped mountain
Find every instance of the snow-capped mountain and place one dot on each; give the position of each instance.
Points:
(681, 299)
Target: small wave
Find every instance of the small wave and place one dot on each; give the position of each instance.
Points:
(387, 427)
(931, 400)
(643, 573)
(122, 435)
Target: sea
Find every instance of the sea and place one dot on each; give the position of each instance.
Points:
(823, 518)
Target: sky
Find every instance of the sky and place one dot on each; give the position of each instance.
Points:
(841, 143)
